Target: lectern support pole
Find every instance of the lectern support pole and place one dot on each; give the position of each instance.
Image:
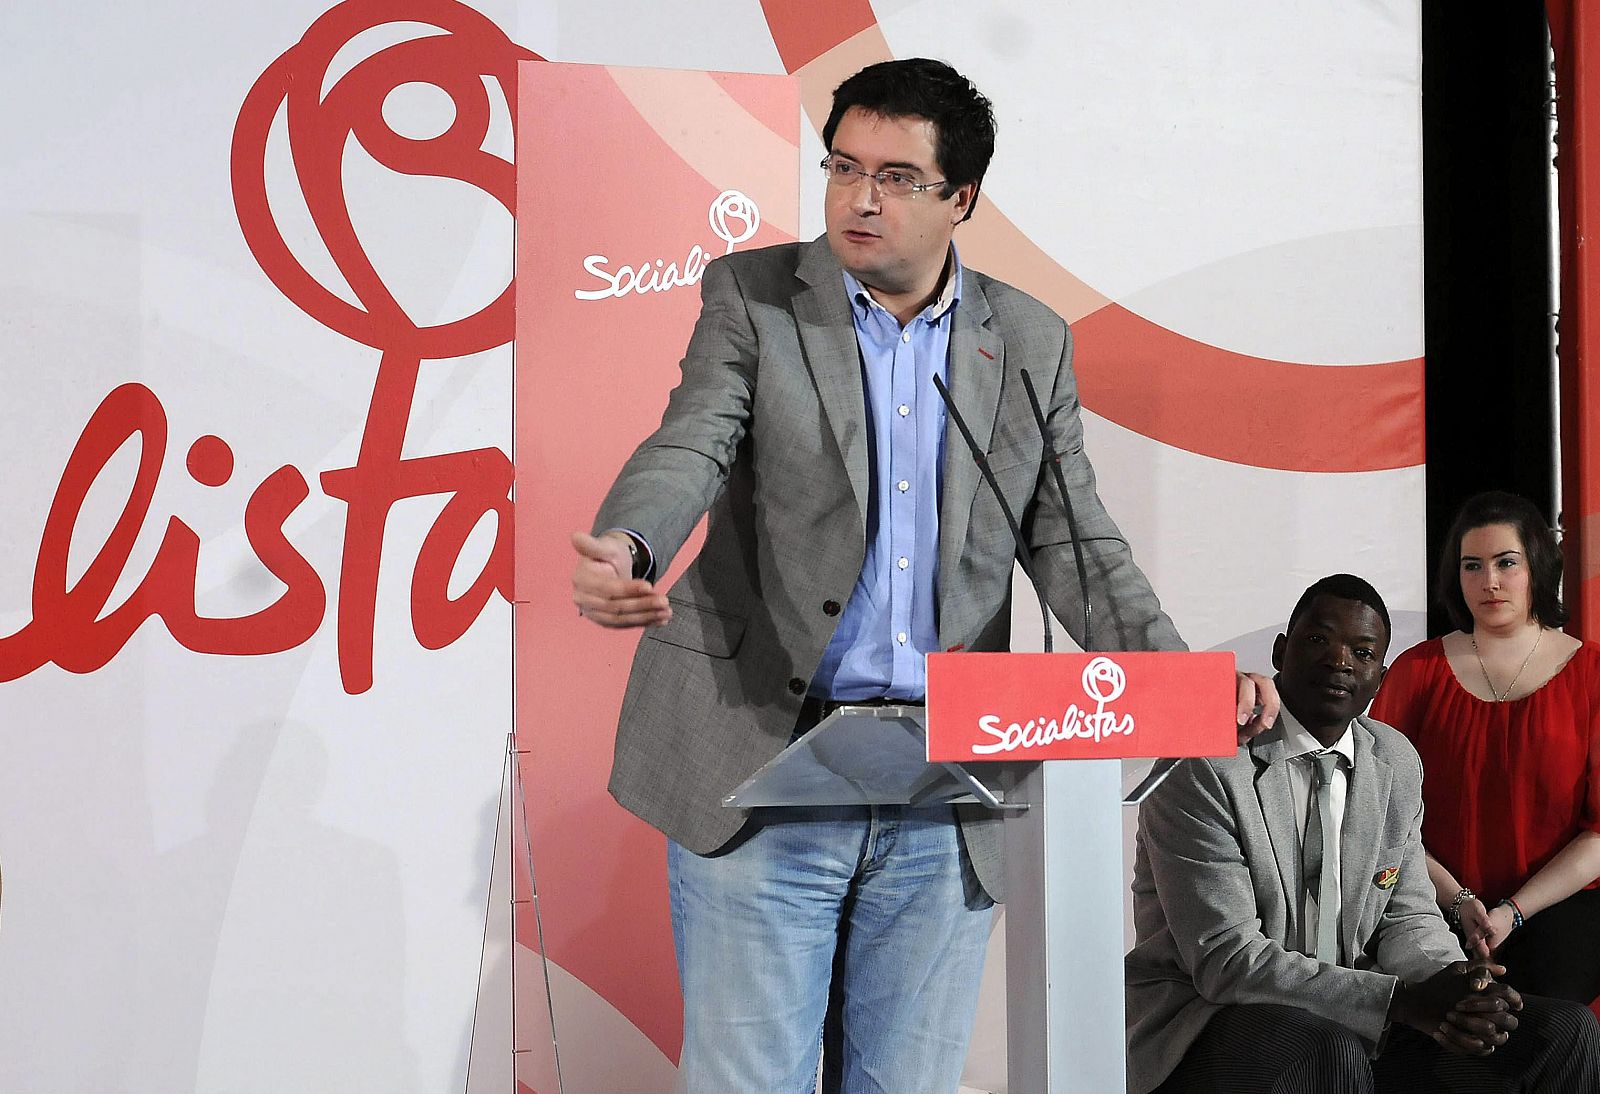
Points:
(1064, 930)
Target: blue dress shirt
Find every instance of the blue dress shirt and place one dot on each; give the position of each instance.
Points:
(891, 619)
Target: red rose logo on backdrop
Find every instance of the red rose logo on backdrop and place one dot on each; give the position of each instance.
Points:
(71, 625)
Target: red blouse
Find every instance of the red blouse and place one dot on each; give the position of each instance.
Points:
(1505, 785)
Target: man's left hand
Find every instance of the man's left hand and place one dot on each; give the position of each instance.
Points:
(1258, 704)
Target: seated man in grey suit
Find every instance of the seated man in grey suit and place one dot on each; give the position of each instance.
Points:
(1288, 938)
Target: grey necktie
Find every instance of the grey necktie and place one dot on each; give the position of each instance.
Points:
(1321, 856)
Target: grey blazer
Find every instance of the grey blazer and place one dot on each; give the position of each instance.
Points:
(767, 430)
(1215, 898)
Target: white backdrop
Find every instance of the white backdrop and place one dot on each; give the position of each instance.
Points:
(251, 871)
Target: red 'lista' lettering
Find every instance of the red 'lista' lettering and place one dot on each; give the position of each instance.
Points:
(71, 625)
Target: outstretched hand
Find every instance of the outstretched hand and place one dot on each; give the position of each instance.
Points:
(604, 588)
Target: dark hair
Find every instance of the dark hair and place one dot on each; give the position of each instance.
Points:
(1342, 587)
(918, 87)
(1538, 546)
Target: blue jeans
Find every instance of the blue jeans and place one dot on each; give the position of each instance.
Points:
(862, 927)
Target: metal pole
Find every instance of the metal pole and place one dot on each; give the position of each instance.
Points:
(1065, 1024)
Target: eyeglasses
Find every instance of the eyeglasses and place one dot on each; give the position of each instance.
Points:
(894, 183)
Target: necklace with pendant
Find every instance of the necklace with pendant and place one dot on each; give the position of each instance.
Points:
(1500, 696)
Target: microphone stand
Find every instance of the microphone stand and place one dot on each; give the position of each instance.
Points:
(1052, 458)
(1024, 556)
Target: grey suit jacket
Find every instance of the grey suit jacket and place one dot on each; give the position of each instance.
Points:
(767, 430)
(1216, 906)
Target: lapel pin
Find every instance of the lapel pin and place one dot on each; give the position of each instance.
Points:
(1386, 878)
(986, 353)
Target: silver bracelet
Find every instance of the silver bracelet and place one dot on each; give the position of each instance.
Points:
(1454, 915)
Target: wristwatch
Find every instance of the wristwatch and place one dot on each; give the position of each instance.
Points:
(636, 556)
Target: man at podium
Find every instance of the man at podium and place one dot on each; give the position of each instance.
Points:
(849, 535)
(1287, 935)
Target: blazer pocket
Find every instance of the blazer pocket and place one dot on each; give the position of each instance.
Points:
(703, 630)
(1010, 457)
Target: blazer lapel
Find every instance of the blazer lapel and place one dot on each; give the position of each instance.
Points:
(1366, 805)
(975, 378)
(1276, 796)
(828, 337)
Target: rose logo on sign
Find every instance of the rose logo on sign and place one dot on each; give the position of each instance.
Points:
(734, 218)
(733, 204)
(1103, 681)
(1106, 673)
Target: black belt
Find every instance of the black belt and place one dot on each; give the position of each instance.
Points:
(821, 708)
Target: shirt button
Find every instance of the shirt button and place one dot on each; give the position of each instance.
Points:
(902, 486)
(901, 638)
(830, 607)
(903, 562)
(902, 410)
(905, 336)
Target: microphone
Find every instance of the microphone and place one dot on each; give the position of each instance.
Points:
(1053, 459)
(1024, 556)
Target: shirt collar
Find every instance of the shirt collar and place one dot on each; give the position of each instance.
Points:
(948, 297)
(1298, 741)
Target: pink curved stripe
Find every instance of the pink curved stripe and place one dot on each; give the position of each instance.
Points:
(1248, 410)
(1184, 393)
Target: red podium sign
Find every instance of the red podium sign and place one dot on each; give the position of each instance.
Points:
(1079, 706)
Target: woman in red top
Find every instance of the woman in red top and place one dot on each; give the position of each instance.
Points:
(1505, 713)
